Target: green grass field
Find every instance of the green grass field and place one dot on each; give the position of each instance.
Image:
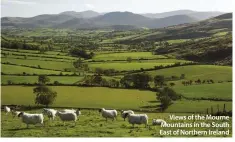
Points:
(198, 106)
(217, 90)
(194, 72)
(124, 56)
(43, 64)
(134, 65)
(12, 69)
(83, 97)
(34, 79)
(91, 124)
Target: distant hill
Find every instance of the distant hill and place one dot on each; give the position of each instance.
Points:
(190, 13)
(84, 14)
(92, 19)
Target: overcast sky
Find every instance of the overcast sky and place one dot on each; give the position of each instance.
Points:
(29, 8)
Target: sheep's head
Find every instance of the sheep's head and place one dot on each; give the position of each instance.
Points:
(126, 115)
(101, 110)
(20, 114)
(78, 112)
(122, 111)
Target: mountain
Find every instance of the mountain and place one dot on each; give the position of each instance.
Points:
(91, 19)
(167, 14)
(84, 14)
(190, 13)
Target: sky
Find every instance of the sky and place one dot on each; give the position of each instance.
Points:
(29, 8)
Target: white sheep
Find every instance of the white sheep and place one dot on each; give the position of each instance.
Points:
(77, 111)
(7, 109)
(31, 118)
(15, 113)
(126, 111)
(137, 119)
(67, 116)
(51, 113)
(158, 122)
(108, 114)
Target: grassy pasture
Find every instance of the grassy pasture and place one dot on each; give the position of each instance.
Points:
(134, 65)
(194, 72)
(124, 56)
(43, 64)
(217, 90)
(197, 106)
(12, 69)
(34, 79)
(91, 124)
(95, 97)
(40, 55)
(36, 58)
(34, 51)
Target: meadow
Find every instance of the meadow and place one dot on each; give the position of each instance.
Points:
(217, 90)
(124, 56)
(69, 96)
(194, 72)
(91, 124)
(12, 69)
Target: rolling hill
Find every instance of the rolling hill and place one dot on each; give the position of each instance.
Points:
(91, 19)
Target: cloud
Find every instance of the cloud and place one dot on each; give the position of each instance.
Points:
(22, 2)
(89, 6)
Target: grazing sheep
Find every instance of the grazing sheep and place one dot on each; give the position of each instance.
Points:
(67, 116)
(158, 122)
(15, 113)
(108, 114)
(77, 111)
(7, 109)
(124, 112)
(31, 118)
(51, 113)
(137, 119)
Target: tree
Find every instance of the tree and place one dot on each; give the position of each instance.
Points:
(165, 102)
(129, 59)
(172, 84)
(182, 76)
(44, 95)
(43, 79)
(159, 80)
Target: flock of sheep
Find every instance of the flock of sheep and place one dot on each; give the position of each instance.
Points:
(72, 115)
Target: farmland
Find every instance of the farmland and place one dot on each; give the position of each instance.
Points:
(172, 70)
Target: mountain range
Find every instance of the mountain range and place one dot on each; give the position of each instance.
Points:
(121, 20)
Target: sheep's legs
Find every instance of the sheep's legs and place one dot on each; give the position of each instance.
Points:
(27, 125)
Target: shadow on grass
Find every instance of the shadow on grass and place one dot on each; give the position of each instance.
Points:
(154, 101)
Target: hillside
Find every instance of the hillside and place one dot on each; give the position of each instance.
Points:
(193, 14)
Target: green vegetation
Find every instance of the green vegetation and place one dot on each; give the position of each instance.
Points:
(124, 56)
(217, 90)
(90, 124)
(74, 97)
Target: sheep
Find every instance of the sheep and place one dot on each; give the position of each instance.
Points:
(67, 116)
(7, 109)
(15, 113)
(77, 111)
(158, 122)
(51, 113)
(124, 112)
(108, 114)
(31, 118)
(137, 119)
